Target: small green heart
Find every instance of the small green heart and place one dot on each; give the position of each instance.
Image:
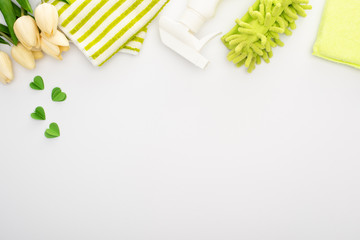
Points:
(38, 83)
(53, 131)
(39, 114)
(57, 95)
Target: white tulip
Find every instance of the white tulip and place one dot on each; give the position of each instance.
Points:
(47, 18)
(38, 54)
(50, 49)
(23, 56)
(64, 49)
(27, 32)
(6, 71)
(58, 38)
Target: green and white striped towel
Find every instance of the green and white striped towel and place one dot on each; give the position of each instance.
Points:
(101, 28)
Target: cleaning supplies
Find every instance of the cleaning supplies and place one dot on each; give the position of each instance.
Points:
(102, 28)
(254, 36)
(179, 35)
(338, 39)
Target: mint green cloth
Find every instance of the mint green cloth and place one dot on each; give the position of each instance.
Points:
(338, 39)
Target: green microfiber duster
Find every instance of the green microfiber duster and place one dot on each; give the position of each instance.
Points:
(254, 36)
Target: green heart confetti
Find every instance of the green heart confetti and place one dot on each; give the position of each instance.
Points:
(53, 131)
(57, 95)
(39, 114)
(38, 83)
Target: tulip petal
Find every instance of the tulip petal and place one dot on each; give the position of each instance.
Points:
(64, 49)
(50, 48)
(47, 18)
(38, 54)
(58, 38)
(27, 32)
(6, 71)
(23, 56)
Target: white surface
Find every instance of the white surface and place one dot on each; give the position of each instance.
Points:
(153, 148)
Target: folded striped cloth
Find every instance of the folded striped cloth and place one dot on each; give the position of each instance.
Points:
(101, 28)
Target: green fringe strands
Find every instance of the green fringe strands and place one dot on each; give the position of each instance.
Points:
(254, 36)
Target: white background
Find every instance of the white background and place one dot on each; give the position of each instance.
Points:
(152, 148)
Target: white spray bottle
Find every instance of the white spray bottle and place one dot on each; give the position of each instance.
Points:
(179, 35)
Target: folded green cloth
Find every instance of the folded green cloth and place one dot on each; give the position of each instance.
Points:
(101, 28)
(338, 39)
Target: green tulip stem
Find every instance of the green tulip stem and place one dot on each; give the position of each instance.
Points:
(6, 37)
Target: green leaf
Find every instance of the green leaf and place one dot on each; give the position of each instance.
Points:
(5, 37)
(4, 29)
(57, 95)
(39, 114)
(2, 41)
(17, 10)
(9, 15)
(25, 5)
(53, 131)
(38, 83)
(66, 1)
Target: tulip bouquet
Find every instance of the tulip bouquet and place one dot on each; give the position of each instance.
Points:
(29, 35)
